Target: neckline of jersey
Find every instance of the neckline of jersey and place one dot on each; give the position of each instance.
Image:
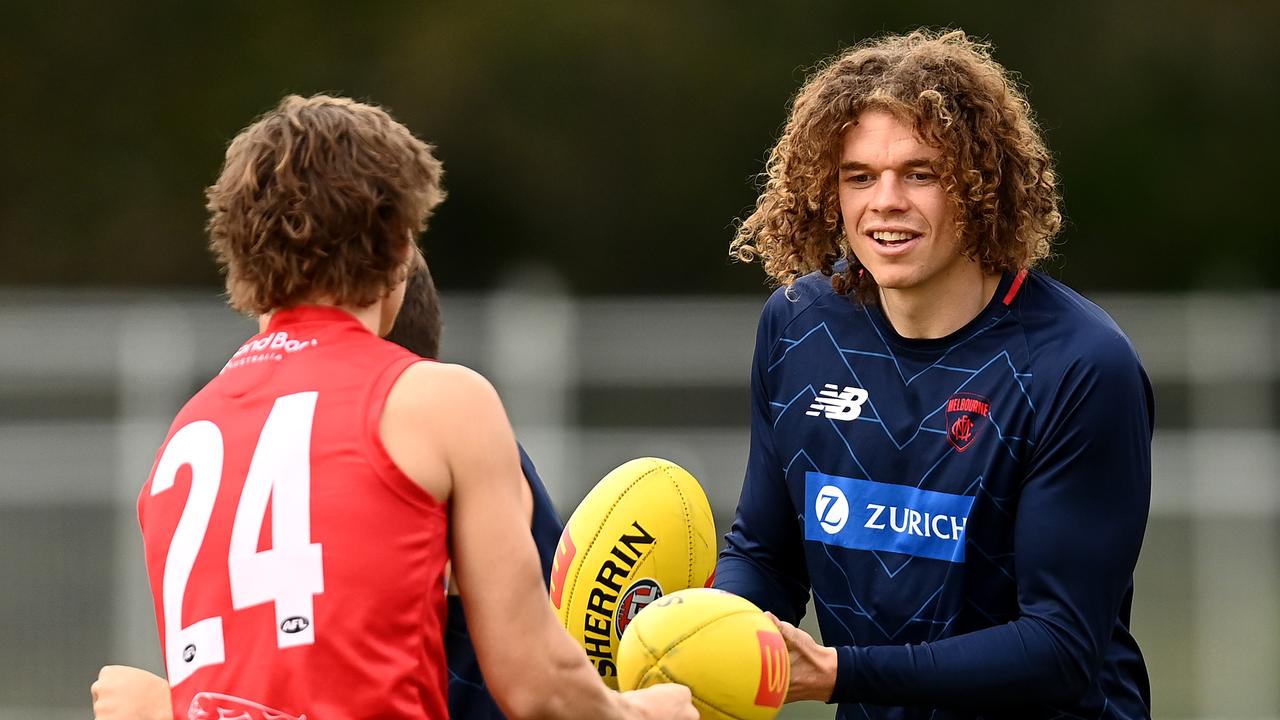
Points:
(302, 314)
(995, 307)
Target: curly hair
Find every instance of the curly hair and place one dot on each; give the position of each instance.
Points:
(320, 198)
(994, 166)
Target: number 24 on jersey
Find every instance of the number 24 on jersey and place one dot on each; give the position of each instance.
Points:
(289, 574)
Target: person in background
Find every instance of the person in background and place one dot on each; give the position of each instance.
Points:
(418, 329)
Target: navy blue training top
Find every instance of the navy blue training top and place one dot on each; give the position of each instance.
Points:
(967, 511)
(469, 698)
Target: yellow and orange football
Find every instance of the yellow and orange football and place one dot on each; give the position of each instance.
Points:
(722, 647)
(644, 531)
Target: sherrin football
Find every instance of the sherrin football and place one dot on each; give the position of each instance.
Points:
(722, 647)
(643, 531)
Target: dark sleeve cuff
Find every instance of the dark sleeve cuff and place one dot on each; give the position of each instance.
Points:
(846, 674)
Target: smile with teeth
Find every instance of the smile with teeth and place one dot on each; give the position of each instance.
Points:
(888, 238)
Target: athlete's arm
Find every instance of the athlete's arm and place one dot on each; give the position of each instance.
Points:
(1079, 526)
(526, 504)
(445, 427)
(128, 693)
(763, 558)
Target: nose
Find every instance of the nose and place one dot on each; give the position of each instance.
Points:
(888, 195)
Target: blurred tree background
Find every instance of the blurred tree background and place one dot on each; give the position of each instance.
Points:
(617, 141)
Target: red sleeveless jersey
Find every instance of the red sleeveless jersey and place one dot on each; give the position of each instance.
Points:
(296, 571)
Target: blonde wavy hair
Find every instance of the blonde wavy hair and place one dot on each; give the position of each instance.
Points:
(321, 197)
(994, 166)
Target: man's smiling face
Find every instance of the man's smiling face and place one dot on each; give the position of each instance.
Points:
(896, 215)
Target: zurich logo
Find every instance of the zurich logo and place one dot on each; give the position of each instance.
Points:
(832, 509)
(865, 515)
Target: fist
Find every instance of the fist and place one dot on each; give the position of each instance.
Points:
(667, 701)
(128, 693)
(813, 667)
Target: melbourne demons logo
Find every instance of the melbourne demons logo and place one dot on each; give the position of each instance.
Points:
(636, 598)
(967, 414)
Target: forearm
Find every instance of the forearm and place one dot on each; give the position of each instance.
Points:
(1015, 663)
(562, 686)
(557, 681)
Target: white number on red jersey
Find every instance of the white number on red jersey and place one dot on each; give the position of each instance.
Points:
(200, 446)
(289, 574)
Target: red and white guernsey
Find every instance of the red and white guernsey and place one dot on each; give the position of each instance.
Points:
(296, 571)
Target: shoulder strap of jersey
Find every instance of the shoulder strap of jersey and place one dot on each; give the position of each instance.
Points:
(386, 469)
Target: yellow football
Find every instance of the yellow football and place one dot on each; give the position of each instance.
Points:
(722, 647)
(643, 531)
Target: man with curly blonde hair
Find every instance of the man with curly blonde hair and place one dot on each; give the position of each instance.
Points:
(949, 449)
(306, 502)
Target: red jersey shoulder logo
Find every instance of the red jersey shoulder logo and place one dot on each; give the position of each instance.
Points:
(967, 415)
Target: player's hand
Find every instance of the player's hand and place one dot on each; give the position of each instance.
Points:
(667, 701)
(813, 667)
(127, 693)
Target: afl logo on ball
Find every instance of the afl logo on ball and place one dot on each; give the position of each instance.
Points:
(636, 598)
(966, 415)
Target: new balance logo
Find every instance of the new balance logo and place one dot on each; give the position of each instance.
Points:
(836, 404)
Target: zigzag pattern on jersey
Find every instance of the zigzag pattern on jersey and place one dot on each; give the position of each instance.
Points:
(910, 448)
(927, 621)
(1001, 361)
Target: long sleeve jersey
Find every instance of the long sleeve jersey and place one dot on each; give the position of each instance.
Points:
(967, 511)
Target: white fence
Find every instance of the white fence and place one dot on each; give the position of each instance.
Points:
(89, 381)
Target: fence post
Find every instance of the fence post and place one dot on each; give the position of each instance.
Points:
(531, 331)
(1235, 503)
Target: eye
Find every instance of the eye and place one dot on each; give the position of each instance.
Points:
(921, 176)
(859, 179)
